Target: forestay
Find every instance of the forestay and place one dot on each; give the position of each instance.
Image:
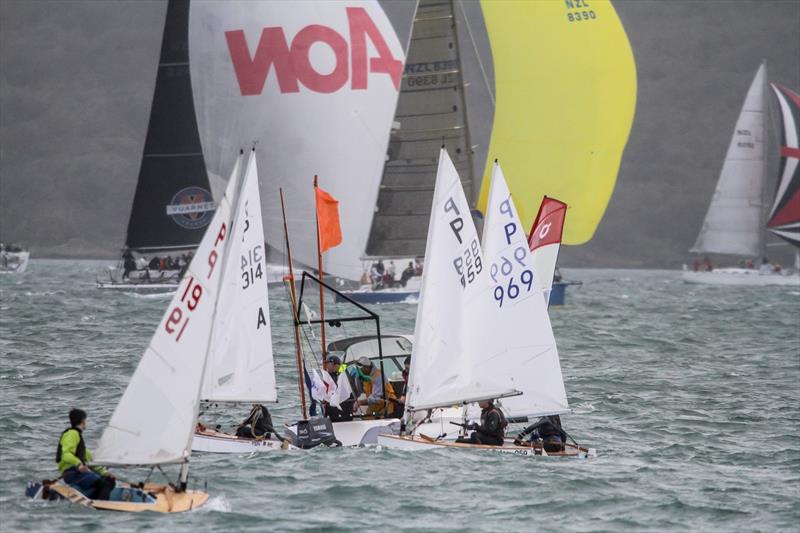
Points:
(733, 224)
(517, 339)
(453, 299)
(154, 421)
(240, 362)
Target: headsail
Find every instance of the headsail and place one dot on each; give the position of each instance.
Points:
(317, 84)
(733, 224)
(452, 299)
(784, 217)
(155, 418)
(240, 364)
(516, 315)
(173, 203)
(566, 92)
(544, 241)
(431, 110)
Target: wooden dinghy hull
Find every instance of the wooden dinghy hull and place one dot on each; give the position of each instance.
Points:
(417, 443)
(211, 441)
(124, 498)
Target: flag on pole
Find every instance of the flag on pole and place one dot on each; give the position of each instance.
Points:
(329, 230)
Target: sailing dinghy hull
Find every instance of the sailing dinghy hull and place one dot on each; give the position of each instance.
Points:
(418, 443)
(741, 277)
(211, 441)
(152, 497)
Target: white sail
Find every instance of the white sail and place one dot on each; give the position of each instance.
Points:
(154, 421)
(733, 224)
(316, 83)
(240, 365)
(521, 347)
(454, 293)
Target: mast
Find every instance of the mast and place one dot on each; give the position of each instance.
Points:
(472, 196)
(764, 194)
(184, 475)
(295, 312)
(319, 270)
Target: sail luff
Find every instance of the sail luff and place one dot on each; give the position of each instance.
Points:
(154, 420)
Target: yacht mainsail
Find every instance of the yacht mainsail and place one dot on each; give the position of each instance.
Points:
(173, 202)
(431, 111)
(734, 222)
(521, 348)
(784, 216)
(240, 364)
(154, 420)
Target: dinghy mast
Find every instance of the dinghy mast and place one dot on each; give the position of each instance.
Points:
(295, 312)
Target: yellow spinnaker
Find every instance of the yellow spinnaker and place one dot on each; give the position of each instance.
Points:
(565, 84)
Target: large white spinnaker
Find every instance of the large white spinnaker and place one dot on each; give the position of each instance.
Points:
(451, 302)
(316, 83)
(155, 418)
(240, 364)
(733, 224)
(518, 341)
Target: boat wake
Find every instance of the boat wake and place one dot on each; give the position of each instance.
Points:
(218, 504)
(153, 296)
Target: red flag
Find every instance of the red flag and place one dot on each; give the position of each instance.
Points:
(549, 223)
(328, 228)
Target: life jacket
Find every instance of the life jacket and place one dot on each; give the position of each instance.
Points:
(501, 430)
(80, 452)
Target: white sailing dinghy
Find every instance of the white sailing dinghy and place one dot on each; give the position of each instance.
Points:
(467, 291)
(739, 214)
(154, 422)
(240, 367)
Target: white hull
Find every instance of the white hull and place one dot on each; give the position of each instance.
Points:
(211, 441)
(741, 277)
(14, 262)
(415, 443)
(358, 432)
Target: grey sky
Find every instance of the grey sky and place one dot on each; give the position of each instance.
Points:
(76, 80)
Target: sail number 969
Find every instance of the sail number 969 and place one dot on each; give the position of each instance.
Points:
(512, 290)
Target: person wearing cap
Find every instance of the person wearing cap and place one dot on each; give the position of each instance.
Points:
(333, 366)
(368, 387)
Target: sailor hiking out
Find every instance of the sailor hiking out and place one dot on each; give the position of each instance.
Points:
(73, 458)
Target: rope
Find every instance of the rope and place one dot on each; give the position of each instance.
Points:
(475, 49)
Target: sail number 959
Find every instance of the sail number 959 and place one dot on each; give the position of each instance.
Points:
(468, 265)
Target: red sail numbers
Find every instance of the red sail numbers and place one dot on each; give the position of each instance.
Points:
(292, 64)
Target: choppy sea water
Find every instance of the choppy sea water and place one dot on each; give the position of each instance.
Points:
(691, 395)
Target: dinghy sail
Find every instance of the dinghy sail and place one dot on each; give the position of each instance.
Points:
(468, 290)
(173, 203)
(740, 215)
(544, 242)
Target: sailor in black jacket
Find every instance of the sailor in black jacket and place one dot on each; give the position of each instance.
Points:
(492, 428)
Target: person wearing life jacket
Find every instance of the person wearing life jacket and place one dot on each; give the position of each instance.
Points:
(491, 430)
(74, 459)
(367, 384)
(257, 425)
(334, 368)
(546, 430)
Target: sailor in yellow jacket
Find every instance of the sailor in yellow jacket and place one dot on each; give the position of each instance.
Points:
(74, 460)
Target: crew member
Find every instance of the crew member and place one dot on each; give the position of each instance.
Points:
(368, 387)
(344, 412)
(73, 458)
(257, 425)
(547, 430)
(492, 428)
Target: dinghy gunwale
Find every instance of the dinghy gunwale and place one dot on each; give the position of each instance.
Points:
(420, 442)
(167, 499)
(255, 445)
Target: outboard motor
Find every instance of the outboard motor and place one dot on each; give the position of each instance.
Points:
(315, 431)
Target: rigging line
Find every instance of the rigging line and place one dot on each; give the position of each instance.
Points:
(475, 49)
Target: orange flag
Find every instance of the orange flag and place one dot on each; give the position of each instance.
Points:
(328, 228)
